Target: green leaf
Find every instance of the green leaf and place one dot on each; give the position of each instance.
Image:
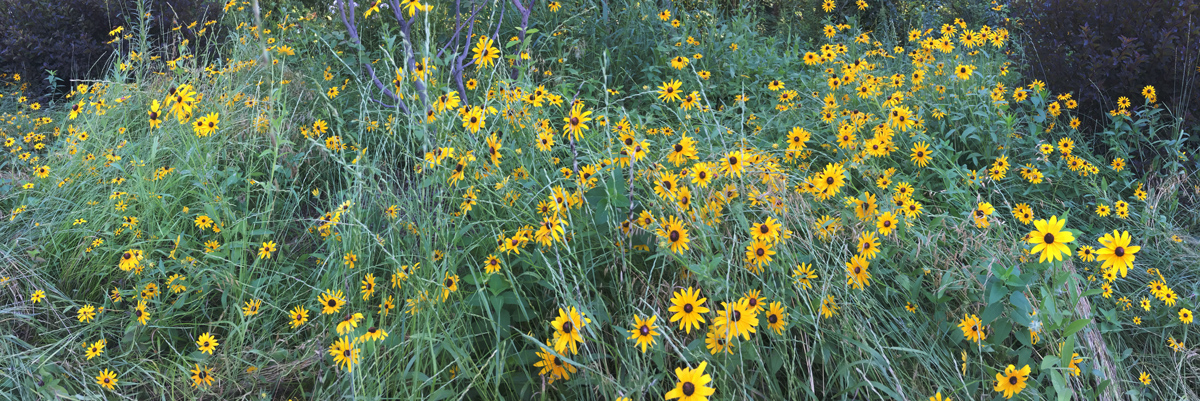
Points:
(1075, 327)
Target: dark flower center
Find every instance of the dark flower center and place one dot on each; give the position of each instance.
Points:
(1012, 380)
(346, 353)
(1049, 238)
(828, 180)
(733, 161)
(678, 148)
(645, 330)
(1120, 251)
(688, 389)
(760, 252)
(674, 236)
(567, 327)
(773, 319)
(735, 316)
(887, 223)
(687, 308)
(449, 282)
(332, 303)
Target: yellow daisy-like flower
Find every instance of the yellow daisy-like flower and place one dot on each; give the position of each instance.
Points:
(1117, 254)
(688, 308)
(207, 343)
(675, 234)
(566, 330)
(265, 251)
(251, 307)
(736, 319)
(1050, 239)
(644, 331)
(344, 353)
(1012, 381)
(331, 301)
(972, 328)
(692, 384)
(202, 376)
(107, 379)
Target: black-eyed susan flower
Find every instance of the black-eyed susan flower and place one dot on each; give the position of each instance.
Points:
(776, 317)
(345, 354)
(717, 342)
(107, 379)
(803, 275)
(758, 254)
(1144, 378)
(299, 315)
(920, 154)
(736, 320)
(95, 349)
(373, 334)
(266, 250)
(829, 306)
(1117, 254)
(868, 245)
(972, 328)
(331, 301)
(858, 275)
(485, 52)
(669, 91)
(449, 285)
(1050, 239)
(349, 323)
(87, 313)
(567, 328)
(755, 302)
(676, 235)
(643, 331)
(207, 343)
(251, 307)
(368, 286)
(492, 264)
(140, 313)
(202, 376)
(553, 366)
(688, 308)
(1086, 253)
(1185, 316)
(576, 121)
(1012, 381)
(692, 384)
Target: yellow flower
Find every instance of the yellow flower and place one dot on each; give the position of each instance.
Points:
(1050, 240)
(265, 251)
(692, 384)
(1012, 381)
(972, 328)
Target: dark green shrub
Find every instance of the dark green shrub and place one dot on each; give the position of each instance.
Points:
(1101, 50)
(66, 37)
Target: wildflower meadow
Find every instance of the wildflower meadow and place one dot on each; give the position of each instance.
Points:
(596, 200)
